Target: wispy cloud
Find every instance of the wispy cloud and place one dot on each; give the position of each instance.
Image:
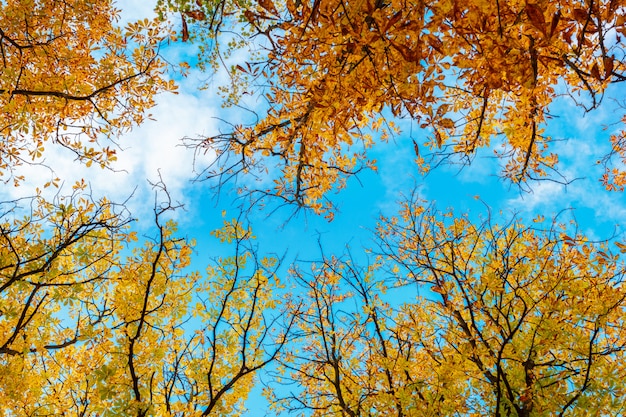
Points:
(147, 154)
(150, 152)
(581, 142)
(133, 10)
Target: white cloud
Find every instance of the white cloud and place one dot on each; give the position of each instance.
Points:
(152, 149)
(149, 150)
(580, 140)
(133, 10)
(584, 194)
(543, 196)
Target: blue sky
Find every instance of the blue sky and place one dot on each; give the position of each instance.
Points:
(155, 148)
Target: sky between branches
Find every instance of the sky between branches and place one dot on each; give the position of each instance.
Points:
(155, 151)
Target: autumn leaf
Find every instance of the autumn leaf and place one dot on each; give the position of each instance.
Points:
(185, 30)
(194, 14)
(268, 5)
(595, 72)
(608, 66)
(535, 14)
(568, 240)
(580, 14)
(447, 123)
(437, 289)
(554, 23)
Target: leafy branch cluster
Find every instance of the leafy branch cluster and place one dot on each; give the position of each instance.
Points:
(483, 74)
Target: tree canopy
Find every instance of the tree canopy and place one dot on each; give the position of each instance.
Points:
(72, 77)
(89, 331)
(444, 314)
(504, 320)
(477, 74)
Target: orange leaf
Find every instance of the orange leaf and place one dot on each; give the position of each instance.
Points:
(555, 22)
(250, 17)
(196, 14)
(608, 66)
(394, 19)
(268, 5)
(437, 289)
(446, 123)
(185, 30)
(595, 72)
(568, 240)
(535, 14)
(580, 14)
(438, 138)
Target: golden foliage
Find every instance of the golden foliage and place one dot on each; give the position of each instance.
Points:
(87, 332)
(473, 74)
(504, 320)
(70, 76)
(507, 319)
